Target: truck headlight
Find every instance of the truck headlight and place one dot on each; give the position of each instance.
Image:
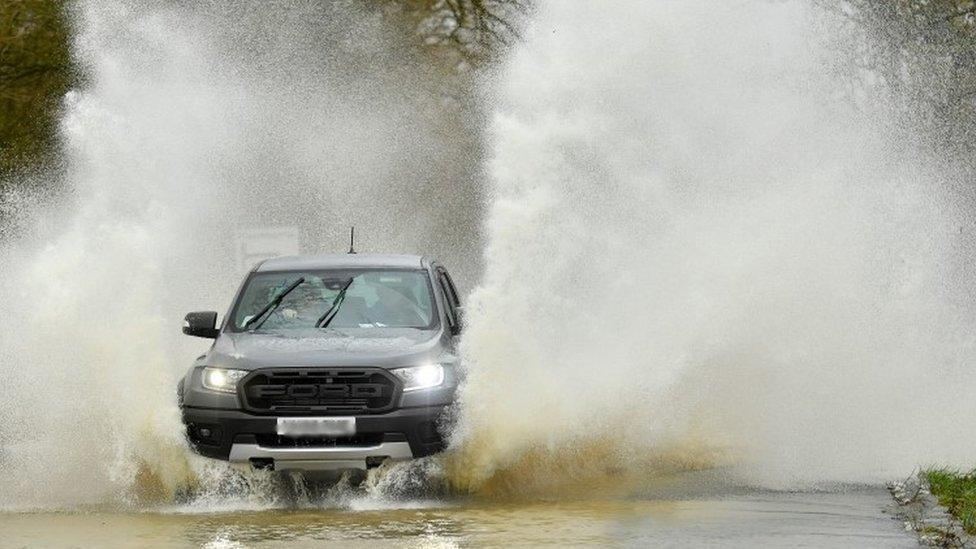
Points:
(222, 380)
(420, 377)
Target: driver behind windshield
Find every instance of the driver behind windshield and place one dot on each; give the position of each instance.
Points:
(304, 306)
(371, 300)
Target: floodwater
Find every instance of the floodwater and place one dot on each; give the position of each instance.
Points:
(758, 519)
(713, 237)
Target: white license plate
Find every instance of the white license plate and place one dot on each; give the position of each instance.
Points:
(316, 426)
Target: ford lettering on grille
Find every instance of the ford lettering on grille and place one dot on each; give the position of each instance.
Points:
(355, 390)
(324, 391)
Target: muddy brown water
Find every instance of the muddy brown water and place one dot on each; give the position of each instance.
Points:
(854, 518)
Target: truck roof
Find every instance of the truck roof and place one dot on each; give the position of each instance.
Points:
(341, 261)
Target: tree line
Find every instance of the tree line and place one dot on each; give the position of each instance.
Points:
(924, 52)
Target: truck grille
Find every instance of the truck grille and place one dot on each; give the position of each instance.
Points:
(332, 391)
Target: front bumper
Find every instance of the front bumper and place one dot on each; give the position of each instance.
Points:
(240, 437)
(319, 458)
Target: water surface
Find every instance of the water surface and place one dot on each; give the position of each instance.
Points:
(758, 519)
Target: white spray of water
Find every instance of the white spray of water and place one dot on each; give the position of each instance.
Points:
(194, 121)
(693, 241)
(696, 241)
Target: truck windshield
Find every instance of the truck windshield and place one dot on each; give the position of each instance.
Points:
(374, 299)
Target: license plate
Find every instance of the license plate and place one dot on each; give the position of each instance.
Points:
(316, 426)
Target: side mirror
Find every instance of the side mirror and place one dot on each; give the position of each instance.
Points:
(201, 324)
(458, 320)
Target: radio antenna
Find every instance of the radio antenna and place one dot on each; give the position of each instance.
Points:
(352, 240)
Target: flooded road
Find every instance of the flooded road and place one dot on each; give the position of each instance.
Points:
(717, 247)
(761, 519)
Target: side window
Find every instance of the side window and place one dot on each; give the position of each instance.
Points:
(450, 297)
(449, 286)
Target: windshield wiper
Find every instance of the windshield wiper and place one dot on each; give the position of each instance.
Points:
(272, 305)
(326, 318)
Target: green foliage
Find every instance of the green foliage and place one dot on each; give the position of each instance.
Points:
(35, 72)
(957, 492)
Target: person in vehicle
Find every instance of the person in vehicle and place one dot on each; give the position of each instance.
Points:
(326, 362)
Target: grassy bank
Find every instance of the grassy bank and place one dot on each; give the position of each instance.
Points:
(957, 492)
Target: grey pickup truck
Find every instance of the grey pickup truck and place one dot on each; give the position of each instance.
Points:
(326, 362)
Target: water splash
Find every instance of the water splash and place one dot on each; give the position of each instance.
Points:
(697, 240)
(700, 254)
(194, 121)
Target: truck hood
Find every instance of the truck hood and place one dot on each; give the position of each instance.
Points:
(382, 347)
